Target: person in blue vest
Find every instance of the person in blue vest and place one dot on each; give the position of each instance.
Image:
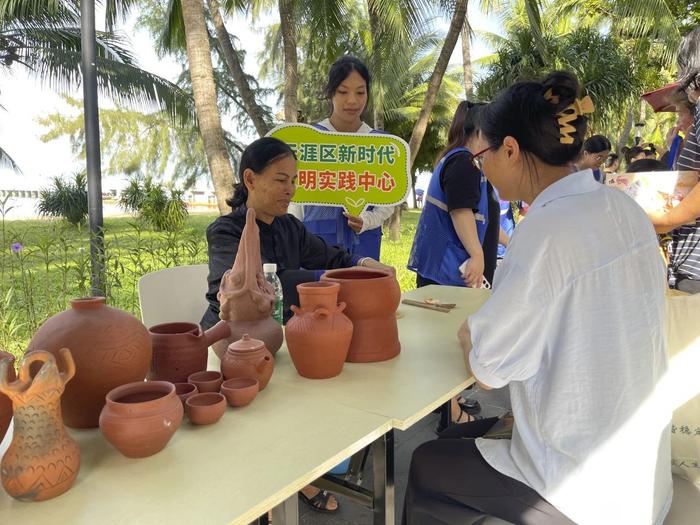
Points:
(347, 90)
(507, 227)
(595, 151)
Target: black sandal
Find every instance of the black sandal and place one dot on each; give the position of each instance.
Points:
(319, 502)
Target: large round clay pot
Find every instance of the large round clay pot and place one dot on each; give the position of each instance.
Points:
(319, 334)
(140, 418)
(42, 460)
(266, 330)
(372, 297)
(181, 349)
(110, 348)
(248, 358)
(6, 402)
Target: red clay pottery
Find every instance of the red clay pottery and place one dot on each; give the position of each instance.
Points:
(110, 347)
(42, 460)
(140, 418)
(207, 381)
(185, 390)
(246, 298)
(180, 349)
(6, 402)
(372, 297)
(248, 358)
(240, 391)
(205, 409)
(319, 334)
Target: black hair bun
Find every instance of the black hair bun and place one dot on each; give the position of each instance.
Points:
(564, 87)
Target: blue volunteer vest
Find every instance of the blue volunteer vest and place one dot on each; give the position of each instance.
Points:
(437, 252)
(507, 223)
(675, 150)
(329, 223)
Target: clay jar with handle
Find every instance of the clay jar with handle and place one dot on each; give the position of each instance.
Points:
(6, 402)
(248, 358)
(372, 297)
(110, 347)
(318, 335)
(42, 460)
(180, 349)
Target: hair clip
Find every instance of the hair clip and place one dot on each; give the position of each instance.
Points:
(580, 106)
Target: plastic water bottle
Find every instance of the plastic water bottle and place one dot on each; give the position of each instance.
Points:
(270, 270)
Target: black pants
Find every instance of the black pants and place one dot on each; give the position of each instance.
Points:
(450, 483)
(422, 281)
(685, 284)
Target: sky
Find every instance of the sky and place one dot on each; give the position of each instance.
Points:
(25, 100)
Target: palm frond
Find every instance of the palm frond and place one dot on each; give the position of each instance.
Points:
(7, 162)
(173, 36)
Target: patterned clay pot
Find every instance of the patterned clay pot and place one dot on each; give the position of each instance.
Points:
(319, 334)
(372, 297)
(140, 418)
(6, 402)
(110, 347)
(248, 358)
(266, 330)
(42, 460)
(180, 349)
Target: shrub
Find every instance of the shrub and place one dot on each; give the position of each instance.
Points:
(164, 209)
(66, 199)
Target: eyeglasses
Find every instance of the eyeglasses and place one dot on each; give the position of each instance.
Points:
(479, 154)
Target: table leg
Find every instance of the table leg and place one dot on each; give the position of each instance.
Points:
(383, 474)
(287, 512)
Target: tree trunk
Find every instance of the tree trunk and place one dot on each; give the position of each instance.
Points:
(376, 62)
(448, 47)
(626, 130)
(289, 41)
(395, 224)
(252, 108)
(204, 89)
(467, 59)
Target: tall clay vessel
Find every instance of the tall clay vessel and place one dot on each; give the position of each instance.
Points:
(319, 334)
(246, 299)
(6, 402)
(180, 349)
(372, 297)
(110, 347)
(248, 358)
(42, 460)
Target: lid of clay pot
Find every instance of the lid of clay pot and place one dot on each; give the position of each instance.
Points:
(246, 344)
(88, 303)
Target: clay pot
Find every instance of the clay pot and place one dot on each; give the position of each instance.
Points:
(372, 297)
(140, 418)
(185, 390)
(42, 460)
(205, 409)
(5, 402)
(266, 330)
(248, 358)
(110, 347)
(319, 334)
(206, 381)
(180, 349)
(240, 391)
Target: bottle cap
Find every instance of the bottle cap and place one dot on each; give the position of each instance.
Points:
(270, 268)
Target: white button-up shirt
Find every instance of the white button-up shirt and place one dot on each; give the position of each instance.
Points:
(575, 327)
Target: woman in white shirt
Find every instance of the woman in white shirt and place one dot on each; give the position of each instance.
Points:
(574, 327)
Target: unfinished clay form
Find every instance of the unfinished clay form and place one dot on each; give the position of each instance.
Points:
(140, 418)
(180, 349)
(110, 347)
(248, 358)
(42, 460)
(240, 391)
(6, 402)
(205, 409)
(206, 381)
(372, 297)
(319, 334)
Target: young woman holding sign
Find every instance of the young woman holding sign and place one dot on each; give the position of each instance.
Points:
(347, 90)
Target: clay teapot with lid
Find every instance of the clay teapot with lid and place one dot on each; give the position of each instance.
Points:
(248, 358)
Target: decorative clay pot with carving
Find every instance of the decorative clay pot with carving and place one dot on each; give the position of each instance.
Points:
(42, 460)
(372, 297)
(181, 349)
(110, 347)
(246, 299)
(319, 334)
(6, 402)
(248, 358)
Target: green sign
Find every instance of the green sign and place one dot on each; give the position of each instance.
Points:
(352, 170)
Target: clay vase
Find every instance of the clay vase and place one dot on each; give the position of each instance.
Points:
(110, 348)
(140, 418)
(6, 402)
(319, 334)
(372, 297)
(42, 460)
(248, 358)
(246, 299)
(180, 349)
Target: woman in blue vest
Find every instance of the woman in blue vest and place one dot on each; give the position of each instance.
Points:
(347, 90)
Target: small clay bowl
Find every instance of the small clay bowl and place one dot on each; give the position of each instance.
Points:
(240, 391)
(207, 381)
(185, 390)
(205, 409)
